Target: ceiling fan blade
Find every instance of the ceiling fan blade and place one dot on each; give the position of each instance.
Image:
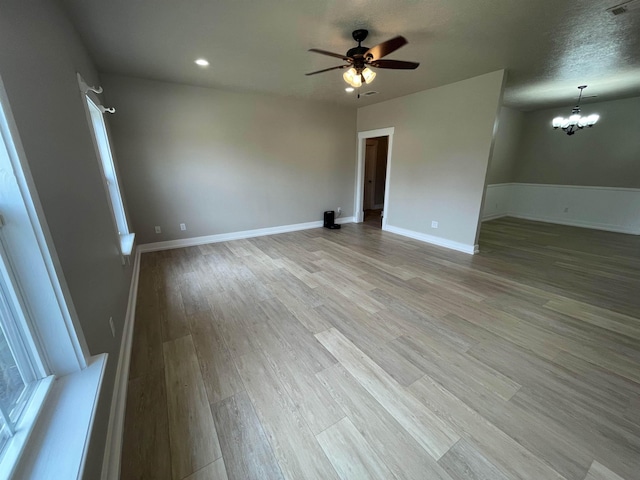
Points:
(327, 69)
(385, 48)
(331, 54)
(396, 64)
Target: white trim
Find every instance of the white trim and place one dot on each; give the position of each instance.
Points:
(439, 241)
(65, 350)
(359, 189)
(224, 237)
(575, 223)
(59, 443)
(613, 209)
(495, 216)
(19, 442)
(581, 187)
(113, 445)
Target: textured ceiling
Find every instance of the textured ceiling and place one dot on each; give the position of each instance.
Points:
(549, 47)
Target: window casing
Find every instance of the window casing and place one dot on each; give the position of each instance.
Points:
(95, 116)
(40, 336)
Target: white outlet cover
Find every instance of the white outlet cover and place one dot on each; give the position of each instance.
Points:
(158, 229)
(434, 224)
(183, 226)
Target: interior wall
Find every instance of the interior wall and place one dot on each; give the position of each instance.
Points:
(224, 162)
(502, 166)
(39, 58)
(606, 155)
(440, 156)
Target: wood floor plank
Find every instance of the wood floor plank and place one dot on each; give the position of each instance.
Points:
(213, 471)
(145, 444)
(219, 374)
(294, 446)
(172, 315)
(600, 317)
(402, 454)
(147, 341)
(452, 368)
(245, 448)
(600, 472)
(370, 342)
(499, 448)
(350, 454)
(192, 433)
(433, 434)
(305, 345)
(464, 462)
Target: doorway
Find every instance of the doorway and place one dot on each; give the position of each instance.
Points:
(375, 172)
(372, 176)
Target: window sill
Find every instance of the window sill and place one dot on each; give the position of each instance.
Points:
(62, 431)
(18, 443)
(126, 243)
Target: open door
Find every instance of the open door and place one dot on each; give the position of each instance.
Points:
(373, 170)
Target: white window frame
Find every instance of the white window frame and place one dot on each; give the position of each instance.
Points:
(33, 284)
(104, 153)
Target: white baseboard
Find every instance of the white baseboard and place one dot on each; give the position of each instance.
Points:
(600, 208)
(495, 216)
(113, 446)
(439, 241)
(224, 237)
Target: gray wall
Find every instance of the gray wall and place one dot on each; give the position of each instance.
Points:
(506, 148)
(224, 162)
(39, 58)
(441, 148)
(606, 155)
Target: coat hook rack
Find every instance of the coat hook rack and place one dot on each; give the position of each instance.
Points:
(107, 109)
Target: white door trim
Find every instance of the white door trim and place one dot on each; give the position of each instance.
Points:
(361, 150)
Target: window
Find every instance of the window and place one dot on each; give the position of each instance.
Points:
(40, 336)
(103, 149)
(18, 373)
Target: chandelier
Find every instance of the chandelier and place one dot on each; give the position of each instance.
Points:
(575, 122)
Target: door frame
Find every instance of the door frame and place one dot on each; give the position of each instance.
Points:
(361, 151)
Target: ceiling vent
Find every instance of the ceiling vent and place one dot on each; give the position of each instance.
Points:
(368, 94)
(624, 7)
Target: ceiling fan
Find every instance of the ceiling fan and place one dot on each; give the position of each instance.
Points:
(360, 58)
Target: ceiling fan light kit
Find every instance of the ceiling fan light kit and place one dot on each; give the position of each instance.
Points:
(360, 58)
(355, 79)
(576, 121)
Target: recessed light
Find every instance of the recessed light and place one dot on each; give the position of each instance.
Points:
(202, 62)
(349, 89)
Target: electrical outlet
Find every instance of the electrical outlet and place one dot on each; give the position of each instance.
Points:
(183, 226)
(158, 229)
(434, 224)
(566, 209)
(339, 211)
(113, 327)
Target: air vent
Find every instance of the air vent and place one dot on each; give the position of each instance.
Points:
(624, 7)
(368, 94)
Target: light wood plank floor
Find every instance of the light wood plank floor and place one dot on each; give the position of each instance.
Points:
(356, 354)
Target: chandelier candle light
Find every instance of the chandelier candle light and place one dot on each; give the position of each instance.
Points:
(575, 122)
